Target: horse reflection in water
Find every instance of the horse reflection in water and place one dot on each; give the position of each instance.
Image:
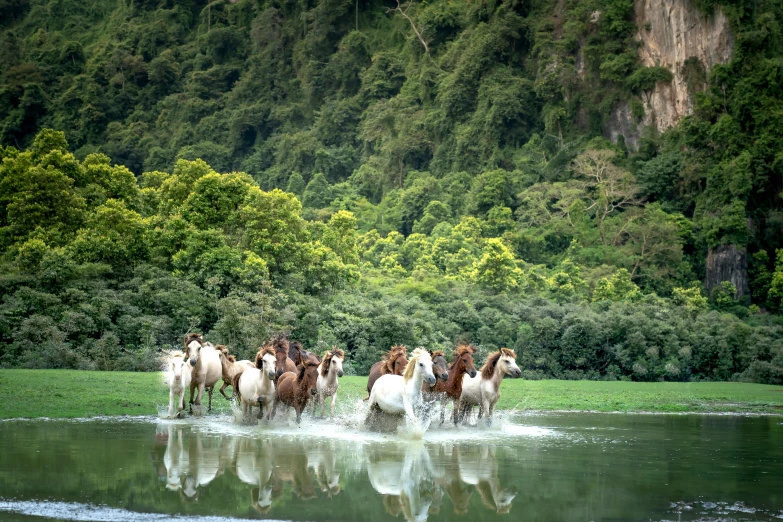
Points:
(270, 465)
(414, 479)
(191, 462)
(404, 476)
(254, 465)
(475, 466)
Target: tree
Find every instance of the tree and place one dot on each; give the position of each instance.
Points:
(317, 194)
(496, 268)
(610, 188)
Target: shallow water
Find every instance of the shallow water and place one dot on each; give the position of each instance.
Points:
(526, 467)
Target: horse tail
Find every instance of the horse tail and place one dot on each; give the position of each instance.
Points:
(235, 386)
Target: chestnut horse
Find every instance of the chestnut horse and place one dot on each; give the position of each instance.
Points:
(294, 389)
(394, 363)
(452, 389)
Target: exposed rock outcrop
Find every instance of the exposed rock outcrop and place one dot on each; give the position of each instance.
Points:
(678, 31)
(677, 35)
(728, 263)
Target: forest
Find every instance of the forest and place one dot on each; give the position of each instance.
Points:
(367, 173)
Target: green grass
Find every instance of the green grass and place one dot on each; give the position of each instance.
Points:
(70, 393)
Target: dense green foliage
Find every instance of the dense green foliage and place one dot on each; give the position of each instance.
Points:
(317, 168)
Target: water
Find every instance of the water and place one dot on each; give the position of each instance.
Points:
(526, 467)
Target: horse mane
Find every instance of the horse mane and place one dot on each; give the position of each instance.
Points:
(231, 358)
(266, 349)
(438, 353)
(461, 350)
(392, 356)
(175, 354)
(417, 354)
(327, 360)
(492, 360)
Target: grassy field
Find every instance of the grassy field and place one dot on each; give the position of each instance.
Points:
(69, 393)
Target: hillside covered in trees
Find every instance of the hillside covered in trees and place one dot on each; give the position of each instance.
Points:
(368, 173)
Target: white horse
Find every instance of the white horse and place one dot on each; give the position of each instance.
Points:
(175, 459)
(205, 362)
(256, 386)
(178, 377)
(321, 457)
(484, 389)
(203, 463)
(398, 394)
(328, 371)
(254, 466)
(480, 469)
(405, 478)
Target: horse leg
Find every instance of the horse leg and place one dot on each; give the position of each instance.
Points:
(260, 408)
(193, 385)
(442, 409)
(334, 400)
(298, 414)
(171, 403)
(181, 402)
(455, 414)
(210, 390)
(225, 385)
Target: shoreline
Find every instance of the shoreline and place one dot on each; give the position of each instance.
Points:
(78, 394)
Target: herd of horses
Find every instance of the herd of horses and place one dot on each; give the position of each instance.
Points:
(283, 374)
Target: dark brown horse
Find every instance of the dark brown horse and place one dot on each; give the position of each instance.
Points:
(394, 362)
(299, 355)
(451, 389)
(441, 370)
(295, 389)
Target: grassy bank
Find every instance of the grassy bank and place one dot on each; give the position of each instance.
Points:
(69, 393)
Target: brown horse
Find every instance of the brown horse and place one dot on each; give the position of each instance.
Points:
(298, 354)
(283, 363)
(294, 389)
(394, 362)
(452, 388)
(441, 370)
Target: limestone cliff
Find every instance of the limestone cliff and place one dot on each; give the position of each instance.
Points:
(677, 35)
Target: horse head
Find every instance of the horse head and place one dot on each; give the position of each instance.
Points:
(397, 360)
(266, 361)
(464, 359)
(333, 360)
(295, 352)
(193, 351)
(439, 365)
(178, 364)
(508, 364)
(308, 376)
(420, 363)
(279, 347)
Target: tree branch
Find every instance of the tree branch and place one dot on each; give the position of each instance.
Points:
(404, 13)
